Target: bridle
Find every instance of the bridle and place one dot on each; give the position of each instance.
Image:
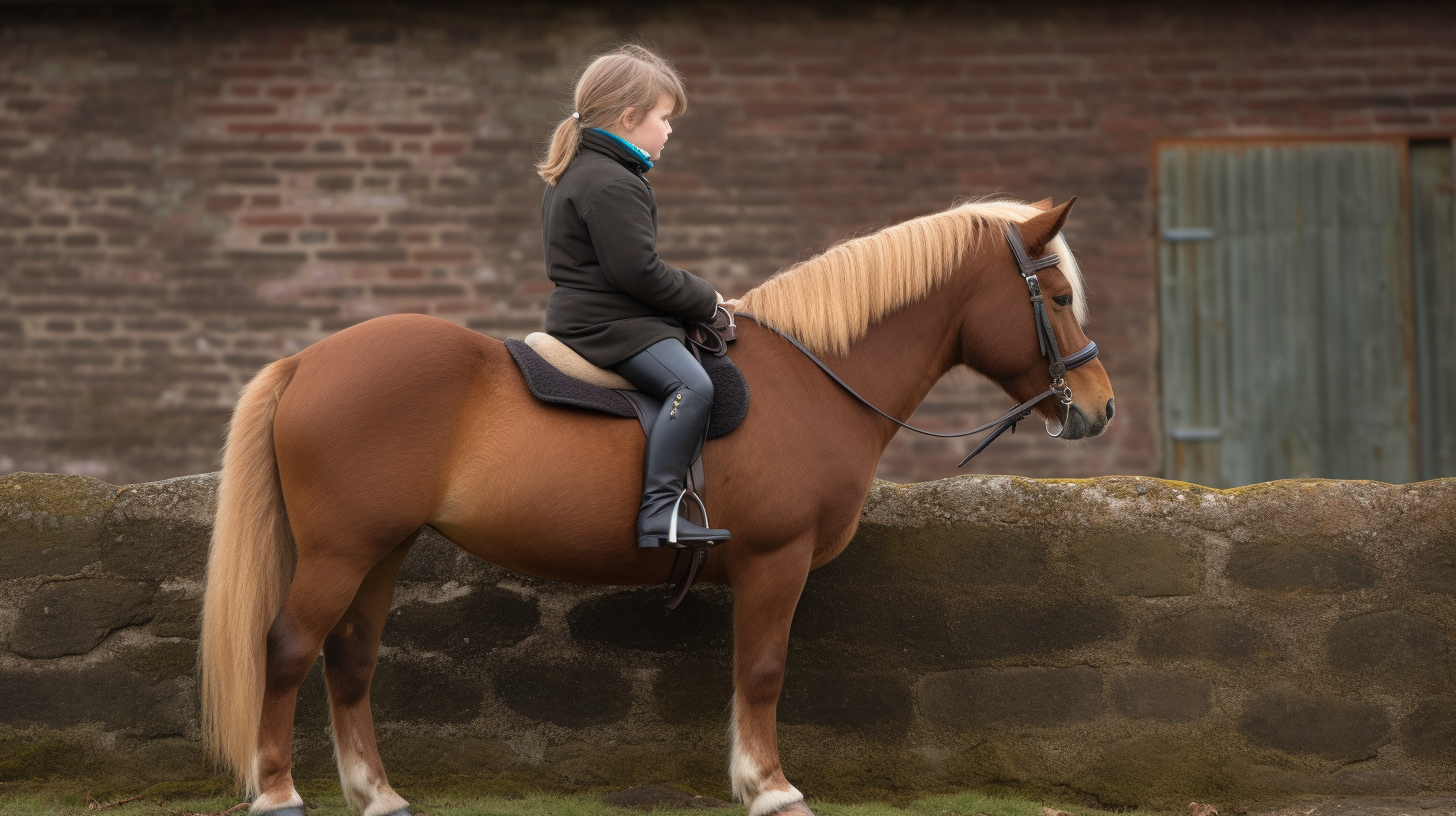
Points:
(1057, 365)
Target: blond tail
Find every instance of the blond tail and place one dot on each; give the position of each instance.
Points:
(248, 571)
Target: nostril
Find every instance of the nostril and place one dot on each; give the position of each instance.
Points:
(1109, 410)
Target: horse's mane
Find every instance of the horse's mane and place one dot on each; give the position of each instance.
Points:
(830, 300)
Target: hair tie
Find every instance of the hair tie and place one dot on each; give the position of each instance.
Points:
(576, 115)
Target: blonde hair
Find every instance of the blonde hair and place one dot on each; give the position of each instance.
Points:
(629, 77)
(828, 302)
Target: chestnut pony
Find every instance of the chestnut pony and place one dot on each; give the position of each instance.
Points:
(338, 455)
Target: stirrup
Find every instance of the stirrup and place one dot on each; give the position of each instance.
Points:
(672, 523)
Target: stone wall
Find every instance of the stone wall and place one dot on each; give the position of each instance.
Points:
(191, 190)
(1119, 641)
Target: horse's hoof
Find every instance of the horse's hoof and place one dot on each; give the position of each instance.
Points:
(400, 812)
(295, 810)
(796, 809)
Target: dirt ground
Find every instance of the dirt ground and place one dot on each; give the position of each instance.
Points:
(1444, 805)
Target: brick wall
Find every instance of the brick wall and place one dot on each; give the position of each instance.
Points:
(189, 193)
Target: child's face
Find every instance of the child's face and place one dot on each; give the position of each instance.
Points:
(652, 131)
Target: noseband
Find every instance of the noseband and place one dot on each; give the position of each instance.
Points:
(1057, 365)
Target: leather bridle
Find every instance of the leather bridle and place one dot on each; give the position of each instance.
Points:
(1057, 365)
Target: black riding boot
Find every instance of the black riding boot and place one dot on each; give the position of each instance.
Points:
(668, 371)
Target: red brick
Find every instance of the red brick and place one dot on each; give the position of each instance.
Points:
(257, 71)
(238, 109)
(441, 256)
(221, 203)
(406, 128)
(272, 220)
(274, 127)
(275, 54)
(343, 219)
(373, 146)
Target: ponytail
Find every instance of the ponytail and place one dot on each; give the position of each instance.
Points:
(631, 78)
(562, 149)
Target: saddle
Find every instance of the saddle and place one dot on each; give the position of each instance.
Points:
(555, 374)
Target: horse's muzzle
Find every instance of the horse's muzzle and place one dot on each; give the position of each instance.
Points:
(1075, 423)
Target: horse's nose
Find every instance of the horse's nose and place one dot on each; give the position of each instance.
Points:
(1109, 410)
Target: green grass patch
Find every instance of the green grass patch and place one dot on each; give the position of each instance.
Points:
(52, 800)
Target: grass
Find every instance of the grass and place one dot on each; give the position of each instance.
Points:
(54, 800)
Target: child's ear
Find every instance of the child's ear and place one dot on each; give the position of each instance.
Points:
(629, 119)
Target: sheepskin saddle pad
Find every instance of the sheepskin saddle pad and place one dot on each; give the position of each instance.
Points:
(558, 375)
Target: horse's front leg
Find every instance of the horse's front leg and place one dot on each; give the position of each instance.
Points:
(766, 589)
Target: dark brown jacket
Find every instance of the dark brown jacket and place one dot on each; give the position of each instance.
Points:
(614, 297)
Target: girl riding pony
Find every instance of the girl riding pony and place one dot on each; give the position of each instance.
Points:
(616, 303)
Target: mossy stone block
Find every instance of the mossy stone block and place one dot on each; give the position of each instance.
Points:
(834, 616)
(1036, 695)
(989, 633)
(1160, 769)
(163, 659)
(1331, 727)
(72, 617)
(176, 613)
(167, 522)
(639, 620)
(1394, 649)
(953, 554)
(1429, 732)
(1155, 695)
(113, 696)
(844, 699)
(1142, 564)
(1434, 568)
(484, 619)
(572, 695)
(1359, 780)
(408, 691)
(1282, 567)
(694, 688)
(50, 524)
(1206, 634)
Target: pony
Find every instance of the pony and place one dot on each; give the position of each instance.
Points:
(337, 456)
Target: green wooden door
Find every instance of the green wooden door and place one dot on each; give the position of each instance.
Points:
(1433, 262)
(1286, 326)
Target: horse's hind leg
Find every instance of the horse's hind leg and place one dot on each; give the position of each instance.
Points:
(350, 651)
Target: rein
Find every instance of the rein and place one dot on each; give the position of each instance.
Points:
(1057, 365)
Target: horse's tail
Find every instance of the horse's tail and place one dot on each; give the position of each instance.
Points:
(248, 572)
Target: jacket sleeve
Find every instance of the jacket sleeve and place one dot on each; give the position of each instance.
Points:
(620, 222)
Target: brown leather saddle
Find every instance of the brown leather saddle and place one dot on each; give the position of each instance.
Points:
(555, 374)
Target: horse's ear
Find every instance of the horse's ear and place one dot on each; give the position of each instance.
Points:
(1039, 230)
(1043, 205)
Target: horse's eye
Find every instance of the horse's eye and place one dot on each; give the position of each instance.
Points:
(1063, 300)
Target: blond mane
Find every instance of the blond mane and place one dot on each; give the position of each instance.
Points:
(831, 300)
